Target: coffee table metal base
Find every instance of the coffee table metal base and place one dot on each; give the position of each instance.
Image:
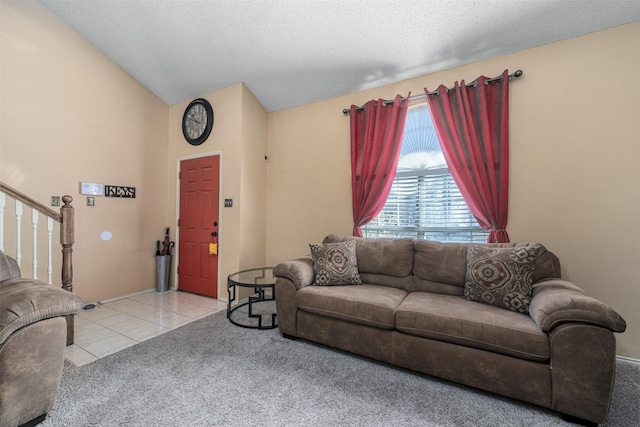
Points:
(251, 301)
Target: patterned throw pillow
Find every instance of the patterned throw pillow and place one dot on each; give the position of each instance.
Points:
(335, 264)
(501, 276)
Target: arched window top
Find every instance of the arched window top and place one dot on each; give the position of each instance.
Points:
(420, 147)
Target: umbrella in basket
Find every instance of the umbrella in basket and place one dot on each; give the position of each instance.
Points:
(165, 244)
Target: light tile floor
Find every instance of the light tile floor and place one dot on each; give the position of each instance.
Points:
(116, 325)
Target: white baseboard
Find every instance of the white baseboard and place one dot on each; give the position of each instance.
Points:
(628, 359)
(146, 291)
(104, 301)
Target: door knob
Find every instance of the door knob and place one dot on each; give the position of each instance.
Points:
(214, 233)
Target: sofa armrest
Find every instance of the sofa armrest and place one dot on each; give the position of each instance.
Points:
(299, 271)
(26, 301)
(9, 268)
(557, 301)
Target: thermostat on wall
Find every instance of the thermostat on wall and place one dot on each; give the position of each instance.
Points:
(92, 188)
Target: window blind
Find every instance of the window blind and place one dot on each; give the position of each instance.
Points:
(426, 204)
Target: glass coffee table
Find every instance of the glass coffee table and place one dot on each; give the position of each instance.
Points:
(259, 310)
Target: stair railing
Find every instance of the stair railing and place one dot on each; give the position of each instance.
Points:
(66, 220)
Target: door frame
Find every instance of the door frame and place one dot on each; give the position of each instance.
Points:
(221, 296)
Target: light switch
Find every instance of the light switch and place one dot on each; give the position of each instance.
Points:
(228, 203)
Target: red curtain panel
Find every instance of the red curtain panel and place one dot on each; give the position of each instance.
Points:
(376, 138)
(472, 124)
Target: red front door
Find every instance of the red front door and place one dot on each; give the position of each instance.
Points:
(199, 208)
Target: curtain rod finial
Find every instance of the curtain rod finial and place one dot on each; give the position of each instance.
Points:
(345, 111)
(518, 73)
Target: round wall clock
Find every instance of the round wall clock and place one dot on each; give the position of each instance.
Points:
(197, 121)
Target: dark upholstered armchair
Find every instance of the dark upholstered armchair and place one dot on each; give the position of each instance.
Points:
(33, 333)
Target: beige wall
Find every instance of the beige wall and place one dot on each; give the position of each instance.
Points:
(239, 137)
(309, 173)
(69, 114)
(253, 230)
(575, 144)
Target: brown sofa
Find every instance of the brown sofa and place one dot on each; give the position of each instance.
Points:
(410, 311)
(33, 333)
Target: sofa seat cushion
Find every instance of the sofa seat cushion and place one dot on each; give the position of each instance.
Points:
(454, 319)
(366, 304)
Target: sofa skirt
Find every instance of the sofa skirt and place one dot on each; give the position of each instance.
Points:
(509, 376)
(352, 337)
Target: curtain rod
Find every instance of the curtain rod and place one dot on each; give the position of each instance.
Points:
(515, 75)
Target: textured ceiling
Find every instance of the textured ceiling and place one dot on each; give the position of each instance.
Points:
(293, 52)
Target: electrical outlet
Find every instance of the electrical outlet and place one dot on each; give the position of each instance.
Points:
(228, 203)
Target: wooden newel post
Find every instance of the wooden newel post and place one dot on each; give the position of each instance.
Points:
(67, 240)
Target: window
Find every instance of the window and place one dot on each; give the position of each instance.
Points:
(424, 202)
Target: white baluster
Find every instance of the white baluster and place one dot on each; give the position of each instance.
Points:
(3, 201)
(34, 224)
(49, 251)
(18, 232)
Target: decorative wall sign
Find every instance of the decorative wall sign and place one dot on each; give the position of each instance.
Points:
(117, 191)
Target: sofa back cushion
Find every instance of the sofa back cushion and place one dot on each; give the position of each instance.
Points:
(441, 267)
(381, 261)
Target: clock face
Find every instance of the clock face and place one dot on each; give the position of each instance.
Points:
(197, 121)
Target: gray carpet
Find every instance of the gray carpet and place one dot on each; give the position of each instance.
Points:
(211, 373)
